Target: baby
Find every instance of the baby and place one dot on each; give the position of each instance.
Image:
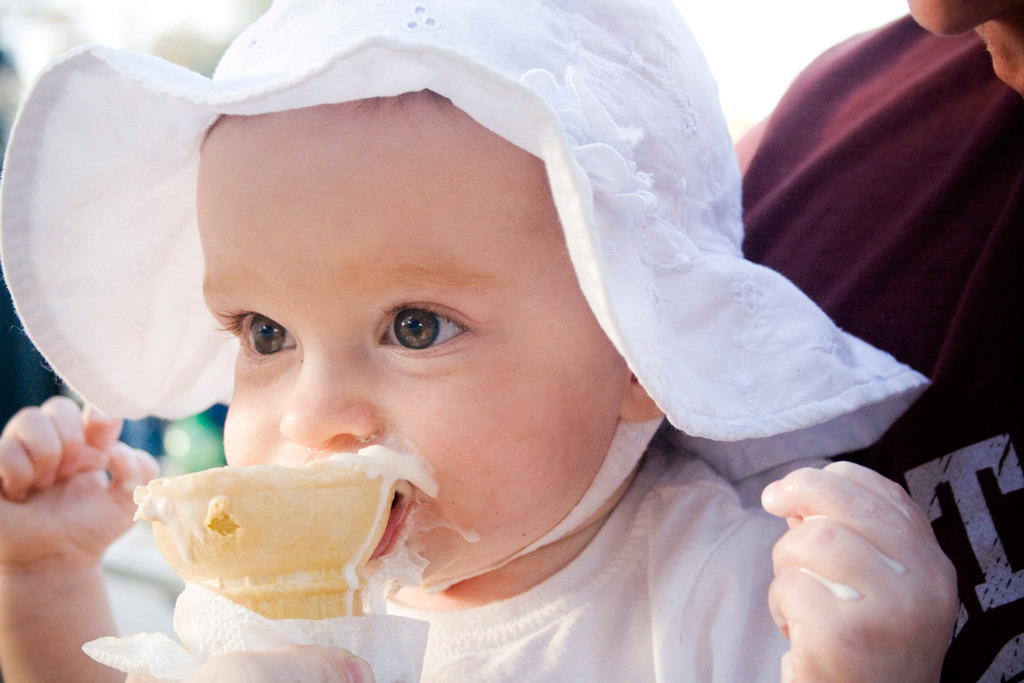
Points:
(504, 238)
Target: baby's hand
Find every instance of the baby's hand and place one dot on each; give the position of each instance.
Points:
(862, 589)
(65, 485)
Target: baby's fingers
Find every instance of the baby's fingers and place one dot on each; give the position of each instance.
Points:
(31, 449)
(75, 455)
(825, 628)
(892, 525)
(96, 435)
(862, 587)
(831, 550)
(16, 471)
(101, 430)
(130, 467)
(65, 416)
(884, 487)
(43, 445)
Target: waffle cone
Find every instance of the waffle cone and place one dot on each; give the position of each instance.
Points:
(288, 543)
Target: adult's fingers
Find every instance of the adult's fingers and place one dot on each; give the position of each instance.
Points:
(308, 663)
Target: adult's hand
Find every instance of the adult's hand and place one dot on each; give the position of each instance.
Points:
(305, 663)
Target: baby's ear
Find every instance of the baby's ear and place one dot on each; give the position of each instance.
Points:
(637, 405)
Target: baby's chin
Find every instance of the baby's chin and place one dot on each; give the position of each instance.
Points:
(463, 584)
(444, 549)
(461, 575)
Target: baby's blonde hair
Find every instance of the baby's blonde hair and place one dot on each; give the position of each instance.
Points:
(372, 105)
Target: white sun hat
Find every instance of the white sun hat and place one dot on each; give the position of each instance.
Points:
(101, 250)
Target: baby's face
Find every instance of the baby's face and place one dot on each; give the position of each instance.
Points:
(396, 274)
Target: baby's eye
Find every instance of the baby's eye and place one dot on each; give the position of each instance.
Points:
(266, 336)
(418, 328)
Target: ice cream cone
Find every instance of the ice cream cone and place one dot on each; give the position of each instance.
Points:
(288, 543)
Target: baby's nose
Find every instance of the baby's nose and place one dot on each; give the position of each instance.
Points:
(330, 416)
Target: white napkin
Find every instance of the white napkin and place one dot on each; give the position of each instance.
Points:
(210, 625)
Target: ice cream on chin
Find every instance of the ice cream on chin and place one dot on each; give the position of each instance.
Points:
(286, 542)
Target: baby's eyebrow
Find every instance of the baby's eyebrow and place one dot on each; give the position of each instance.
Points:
(439, 274)
(214, 285)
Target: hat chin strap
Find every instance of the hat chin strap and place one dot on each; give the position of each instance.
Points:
(628, 445)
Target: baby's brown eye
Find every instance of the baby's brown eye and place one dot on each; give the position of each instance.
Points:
(266, 336)
(418, 328)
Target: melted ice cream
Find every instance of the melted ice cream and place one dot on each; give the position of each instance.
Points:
(186, 519)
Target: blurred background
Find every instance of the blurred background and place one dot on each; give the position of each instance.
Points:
(754, 48)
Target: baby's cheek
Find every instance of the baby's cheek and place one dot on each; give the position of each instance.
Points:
(242, 436)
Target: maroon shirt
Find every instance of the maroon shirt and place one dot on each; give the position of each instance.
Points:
(889, 186)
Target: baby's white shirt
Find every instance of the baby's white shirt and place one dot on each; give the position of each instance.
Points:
(673, 588)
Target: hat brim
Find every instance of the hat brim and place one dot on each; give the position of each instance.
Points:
(108, 282)
(101, 118)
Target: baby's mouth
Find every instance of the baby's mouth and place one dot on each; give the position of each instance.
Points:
(399, 510)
